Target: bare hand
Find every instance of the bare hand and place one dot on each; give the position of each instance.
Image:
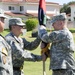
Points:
(44, 57)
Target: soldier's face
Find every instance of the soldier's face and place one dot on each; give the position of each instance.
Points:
(57, 25)
(18, 29)
(1, 24)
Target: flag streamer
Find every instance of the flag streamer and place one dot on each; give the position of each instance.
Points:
(42, 12)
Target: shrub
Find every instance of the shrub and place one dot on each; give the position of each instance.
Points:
(31, 24)
(72, 30)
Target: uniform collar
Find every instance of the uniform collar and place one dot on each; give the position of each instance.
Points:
(16, 38)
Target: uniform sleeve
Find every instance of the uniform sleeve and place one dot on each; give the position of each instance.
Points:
(3, 52)
(31, 45)
(53, 37)
(19, 53)
(3, 58)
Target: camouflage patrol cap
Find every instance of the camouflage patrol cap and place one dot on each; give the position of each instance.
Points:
(58, 17)
(16, 21)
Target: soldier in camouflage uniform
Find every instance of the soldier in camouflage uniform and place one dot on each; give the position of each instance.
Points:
(18, 44)
(5, 52)
(62, 49)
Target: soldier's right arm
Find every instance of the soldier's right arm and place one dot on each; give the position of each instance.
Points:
(20, 54)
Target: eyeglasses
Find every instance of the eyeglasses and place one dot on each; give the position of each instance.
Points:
(22, 26)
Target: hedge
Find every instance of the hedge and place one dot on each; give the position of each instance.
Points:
(35, 33)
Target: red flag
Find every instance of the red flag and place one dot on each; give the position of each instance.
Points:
(42, 5)
(42, 12)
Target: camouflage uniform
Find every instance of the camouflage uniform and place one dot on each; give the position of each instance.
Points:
(19, 54)
(5, 58)
(61, 50)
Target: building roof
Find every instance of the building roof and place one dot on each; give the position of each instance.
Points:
(26, 14)
(31, 1)
(14, 14)
(36, 14)
(36, 1)
(12, 0)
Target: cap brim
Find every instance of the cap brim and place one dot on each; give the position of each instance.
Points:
(20, 24)
(3, 16)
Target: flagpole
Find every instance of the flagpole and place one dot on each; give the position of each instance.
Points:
(42, 20)
(44, 71)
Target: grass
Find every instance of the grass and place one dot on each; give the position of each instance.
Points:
(5, 32)
(34, 68)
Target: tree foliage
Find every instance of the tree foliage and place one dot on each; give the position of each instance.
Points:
(72, 2)
(31, 24)
(66, 9)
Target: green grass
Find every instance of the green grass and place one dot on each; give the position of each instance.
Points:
(5, 32)
(34, 68)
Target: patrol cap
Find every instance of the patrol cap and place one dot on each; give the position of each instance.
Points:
(2, 16)
(16, 21)
(61, 17)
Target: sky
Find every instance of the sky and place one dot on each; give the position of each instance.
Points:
(61, 2)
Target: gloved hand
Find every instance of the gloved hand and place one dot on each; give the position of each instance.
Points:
(41, 30)
(42, 27)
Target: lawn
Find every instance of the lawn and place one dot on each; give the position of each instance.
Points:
(34, 68)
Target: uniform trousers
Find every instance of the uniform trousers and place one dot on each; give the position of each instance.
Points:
(63, 72)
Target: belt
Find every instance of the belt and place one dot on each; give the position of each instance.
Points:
(18, 68)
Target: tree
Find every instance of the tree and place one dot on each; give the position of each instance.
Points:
(72, 2)
(65, 9)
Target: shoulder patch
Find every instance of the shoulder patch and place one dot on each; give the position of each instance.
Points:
(4, 51)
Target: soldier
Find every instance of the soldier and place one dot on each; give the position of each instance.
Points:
(5, 52)
(18, 44)
(62, 49)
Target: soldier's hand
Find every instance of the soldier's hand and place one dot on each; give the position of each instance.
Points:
(42, 45)
(44, 57)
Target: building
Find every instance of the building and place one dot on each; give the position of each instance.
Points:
(72, 16)
(26, 8)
